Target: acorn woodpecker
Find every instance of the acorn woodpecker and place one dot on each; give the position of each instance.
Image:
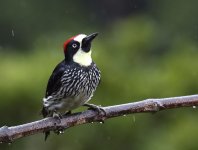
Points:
(73, 80)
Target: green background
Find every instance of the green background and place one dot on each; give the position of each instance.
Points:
(146, 49)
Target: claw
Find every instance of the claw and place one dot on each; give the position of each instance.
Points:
(58, 117)
(67, 113)
(95, 107)
(99, 109)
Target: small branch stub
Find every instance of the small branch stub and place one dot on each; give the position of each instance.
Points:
(9, 134)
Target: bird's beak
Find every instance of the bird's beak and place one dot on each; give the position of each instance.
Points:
(88, 39)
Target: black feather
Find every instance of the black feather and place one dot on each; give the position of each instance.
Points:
(54, 82)
(44, 112)
(47, 133)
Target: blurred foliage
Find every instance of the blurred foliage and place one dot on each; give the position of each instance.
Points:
(145, 50)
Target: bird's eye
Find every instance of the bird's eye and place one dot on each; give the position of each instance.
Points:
(74, 45)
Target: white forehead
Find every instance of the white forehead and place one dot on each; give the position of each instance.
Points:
(80, 37)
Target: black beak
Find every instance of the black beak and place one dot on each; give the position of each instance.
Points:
(90, 37)
(86, 43)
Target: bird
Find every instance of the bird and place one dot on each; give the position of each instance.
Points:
(74, 80)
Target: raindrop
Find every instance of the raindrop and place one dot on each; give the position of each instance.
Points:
(12, 32)
(61, 132)
(194, 107)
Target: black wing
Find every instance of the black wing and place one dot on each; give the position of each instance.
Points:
(54, 82)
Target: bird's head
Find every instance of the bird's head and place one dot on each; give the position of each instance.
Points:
(78, 49)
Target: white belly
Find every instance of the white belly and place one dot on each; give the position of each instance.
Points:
(67, 104)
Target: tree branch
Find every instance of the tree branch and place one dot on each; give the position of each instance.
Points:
(9, 134)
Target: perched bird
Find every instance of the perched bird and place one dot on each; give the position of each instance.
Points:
(73, 80)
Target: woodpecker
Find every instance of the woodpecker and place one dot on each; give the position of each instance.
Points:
(74, 79)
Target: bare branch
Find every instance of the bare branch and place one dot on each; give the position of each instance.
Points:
(9, 134)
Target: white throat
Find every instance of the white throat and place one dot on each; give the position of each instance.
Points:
(82, 58)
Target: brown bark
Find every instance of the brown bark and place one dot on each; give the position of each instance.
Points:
(9, 134)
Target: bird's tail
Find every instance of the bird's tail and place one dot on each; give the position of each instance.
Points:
(45, 113)
(47, 133)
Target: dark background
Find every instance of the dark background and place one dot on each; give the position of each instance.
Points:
(146, 49)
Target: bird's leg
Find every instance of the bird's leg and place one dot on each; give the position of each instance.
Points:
(96, 108)
(67, 113)
(99, 109)
(58, 116)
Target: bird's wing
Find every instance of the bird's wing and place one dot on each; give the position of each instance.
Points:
(54, 82)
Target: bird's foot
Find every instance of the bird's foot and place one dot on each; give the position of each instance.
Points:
(67, 113)
(99, 109)
(58, 130)
(58, 117)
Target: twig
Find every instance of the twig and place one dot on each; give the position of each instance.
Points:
(9, 134)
